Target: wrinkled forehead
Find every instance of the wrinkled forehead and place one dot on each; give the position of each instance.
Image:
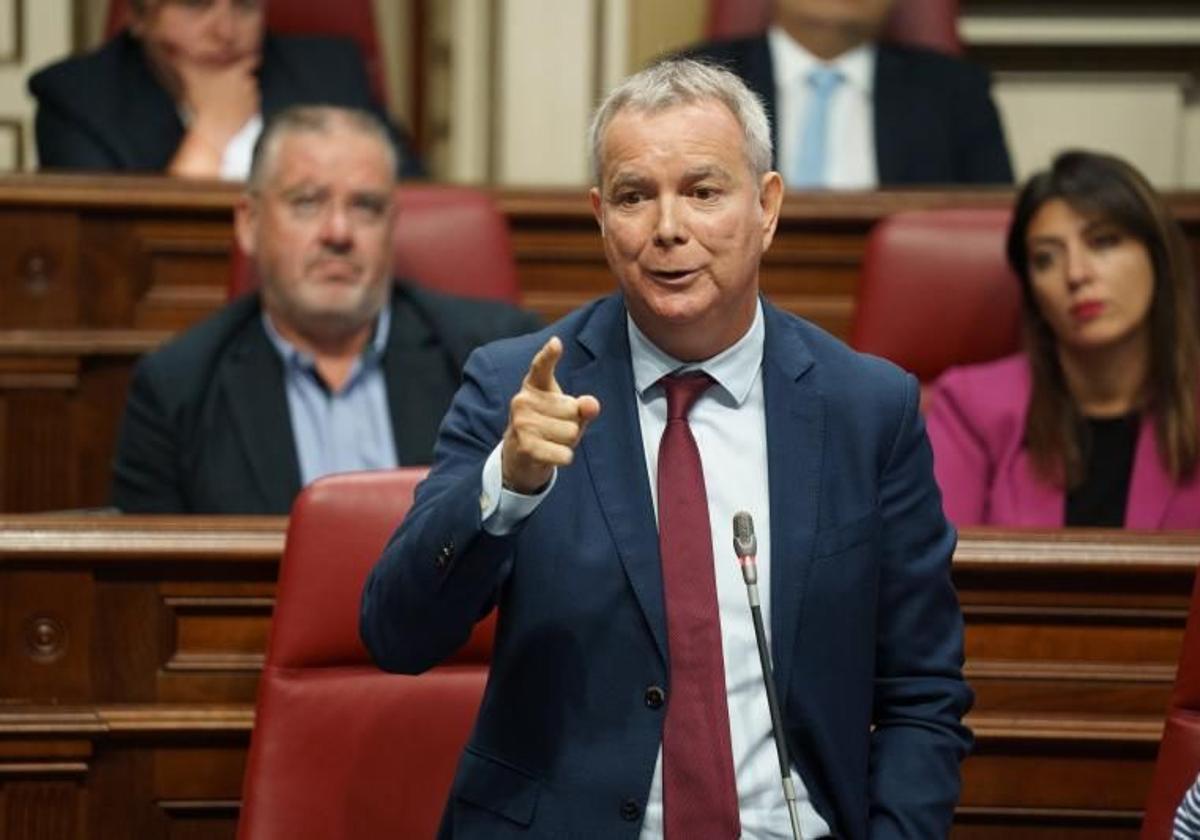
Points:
(700, 125)
(337, 151)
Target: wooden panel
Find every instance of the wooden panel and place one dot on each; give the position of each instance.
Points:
(1072, 639)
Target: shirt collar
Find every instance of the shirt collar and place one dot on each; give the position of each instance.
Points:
(734, 368)
(293, 356)
(792, 61)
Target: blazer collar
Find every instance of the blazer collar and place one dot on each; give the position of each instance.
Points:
(612, 455)
(795, 410)
(414, 362)
(252, 380)
(1150, 487)
(152, 126)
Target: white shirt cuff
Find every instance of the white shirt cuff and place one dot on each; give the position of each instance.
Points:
(502, 509)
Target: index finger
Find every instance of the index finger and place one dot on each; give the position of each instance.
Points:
(541, 369)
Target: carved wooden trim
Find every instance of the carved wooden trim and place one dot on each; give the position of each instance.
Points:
(120, 539)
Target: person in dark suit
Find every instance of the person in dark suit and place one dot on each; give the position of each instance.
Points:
(185, 90)
(332, 366)
(852, 112)
(624, 687)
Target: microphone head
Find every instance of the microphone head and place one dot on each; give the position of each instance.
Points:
(744, 542)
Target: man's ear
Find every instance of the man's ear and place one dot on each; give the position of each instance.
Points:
(245, 223)
(770, 196)
(597, 207)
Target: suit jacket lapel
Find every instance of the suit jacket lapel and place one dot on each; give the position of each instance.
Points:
(253, 384)
(1150, 486)
(889, 98)
(795, 450)
(152, 127)
(612, 450)
(415, 363)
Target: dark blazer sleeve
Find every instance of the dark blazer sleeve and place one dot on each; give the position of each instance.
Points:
(441, 572)
(145, 471)
(918, 739)
(63, 143)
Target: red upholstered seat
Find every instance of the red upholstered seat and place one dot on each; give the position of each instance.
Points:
(340, 749)
(936, 291)
(449, 238)
(924, 23)
(354, 19)
(1179, 753)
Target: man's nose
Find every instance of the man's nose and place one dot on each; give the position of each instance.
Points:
(671, 226)
(336, 229)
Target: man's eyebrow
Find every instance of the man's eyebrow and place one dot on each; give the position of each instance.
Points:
(708, 171)
(627, 179)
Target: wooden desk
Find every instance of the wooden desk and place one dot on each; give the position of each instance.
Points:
(132, 647)
(94, 271)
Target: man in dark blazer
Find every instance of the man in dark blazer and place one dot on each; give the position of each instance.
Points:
(542, 501)
(127, 106)
(930, 117)
(333, 365)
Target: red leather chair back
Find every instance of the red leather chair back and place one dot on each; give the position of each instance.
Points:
(341, 750)
(354, 19)
(1179, 753)
(936, 291)
(922, 23)
(448, 238)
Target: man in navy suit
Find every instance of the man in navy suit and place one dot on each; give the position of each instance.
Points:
(888, 115)
(546, 499)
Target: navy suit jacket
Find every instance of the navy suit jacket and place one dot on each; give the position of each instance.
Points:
(865, 625)
(935, 121)
(207, 428)
(106, 110)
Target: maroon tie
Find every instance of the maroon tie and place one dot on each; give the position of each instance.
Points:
(699, 792)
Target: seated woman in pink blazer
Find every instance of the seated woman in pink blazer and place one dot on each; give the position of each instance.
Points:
(1096, 423)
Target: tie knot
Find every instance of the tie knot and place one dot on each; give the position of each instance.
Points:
(683, 389)
(823, 80)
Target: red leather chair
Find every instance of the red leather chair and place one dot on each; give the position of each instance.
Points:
(341, 750)
(922, 23)
(354, 19)
(452, 239)
(936, 291)
(1179, 753)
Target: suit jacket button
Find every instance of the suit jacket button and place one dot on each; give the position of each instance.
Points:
(654, 697)
(630, 810)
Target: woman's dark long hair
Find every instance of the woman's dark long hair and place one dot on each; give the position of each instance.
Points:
(1107, 188)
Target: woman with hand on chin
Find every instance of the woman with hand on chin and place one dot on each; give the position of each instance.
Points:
(1095, 424)
(186, 88)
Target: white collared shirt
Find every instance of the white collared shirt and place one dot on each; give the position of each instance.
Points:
(729, 424)
(851, 164)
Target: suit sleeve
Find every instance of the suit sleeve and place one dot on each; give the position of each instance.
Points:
(63, 144)
(145, 473)
(981, 154)
(960, 459)
(918, 740)
(441, 572)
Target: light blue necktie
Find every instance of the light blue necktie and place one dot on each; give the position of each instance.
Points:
(811, 156)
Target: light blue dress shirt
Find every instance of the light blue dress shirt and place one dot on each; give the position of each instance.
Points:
(344, 430)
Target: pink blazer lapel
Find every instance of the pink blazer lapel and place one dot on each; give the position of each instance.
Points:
(1150, 488)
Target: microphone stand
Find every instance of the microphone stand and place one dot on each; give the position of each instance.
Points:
(746, 549)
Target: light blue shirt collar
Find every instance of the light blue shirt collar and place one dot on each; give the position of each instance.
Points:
(734, 368)
(294, 357)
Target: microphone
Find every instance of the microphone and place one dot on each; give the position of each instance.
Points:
(745, 547)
